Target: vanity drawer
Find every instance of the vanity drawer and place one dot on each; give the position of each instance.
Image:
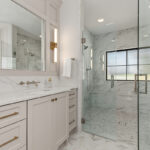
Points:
(72, 102)
(72, 120)
(72, 115)
(13, 137)
(10, 114)
(72, 94)
(72, 109)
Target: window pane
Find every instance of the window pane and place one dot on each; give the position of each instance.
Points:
(119, 72)
(132, 57)
(144, 69)
(131, 71)
(116, 58)
(121, 58)
(111, 58)
(144, 55)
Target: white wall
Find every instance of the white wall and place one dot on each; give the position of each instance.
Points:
(70, 37)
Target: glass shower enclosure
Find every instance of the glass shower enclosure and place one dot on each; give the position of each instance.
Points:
(116, 91)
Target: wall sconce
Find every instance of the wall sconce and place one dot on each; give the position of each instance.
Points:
(53, 45)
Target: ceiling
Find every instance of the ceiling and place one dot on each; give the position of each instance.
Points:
(117, 15)
(12, 13)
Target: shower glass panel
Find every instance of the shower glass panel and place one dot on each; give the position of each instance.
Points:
(110, 93)
(110, 98)
(99, 107)
(144, 75)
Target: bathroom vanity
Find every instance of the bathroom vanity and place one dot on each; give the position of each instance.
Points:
(32, 118)
(40, 123)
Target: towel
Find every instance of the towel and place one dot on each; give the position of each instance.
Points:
(67, 68)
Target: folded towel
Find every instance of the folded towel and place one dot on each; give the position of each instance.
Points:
(67, 68)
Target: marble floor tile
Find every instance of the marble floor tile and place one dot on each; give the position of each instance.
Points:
(84, 141)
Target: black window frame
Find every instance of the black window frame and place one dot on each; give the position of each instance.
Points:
(123, 50)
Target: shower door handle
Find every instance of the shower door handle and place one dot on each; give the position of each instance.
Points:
(112, 81)
(136, 85)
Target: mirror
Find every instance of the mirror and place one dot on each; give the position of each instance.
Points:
(22, 38)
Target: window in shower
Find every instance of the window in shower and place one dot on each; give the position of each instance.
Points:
(122, 64)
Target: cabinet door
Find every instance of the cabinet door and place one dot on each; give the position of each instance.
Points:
(61, 118)
(40, 124)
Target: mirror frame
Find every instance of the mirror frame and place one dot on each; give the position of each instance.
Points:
(46, 71)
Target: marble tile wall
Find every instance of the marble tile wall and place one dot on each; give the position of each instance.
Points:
(124, 39)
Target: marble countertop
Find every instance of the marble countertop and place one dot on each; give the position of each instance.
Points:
(29, 94)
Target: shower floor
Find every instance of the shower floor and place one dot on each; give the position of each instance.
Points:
(84, 141)
(116, 124)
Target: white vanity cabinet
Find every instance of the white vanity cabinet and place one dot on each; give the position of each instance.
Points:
(48, 122)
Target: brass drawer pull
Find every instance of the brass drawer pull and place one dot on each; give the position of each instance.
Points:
(7, 116)
(72, 106)
(14, 139)
(71, 122)
(56, 99)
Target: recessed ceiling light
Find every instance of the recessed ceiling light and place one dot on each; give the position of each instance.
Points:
(100, 20)
(148, 6)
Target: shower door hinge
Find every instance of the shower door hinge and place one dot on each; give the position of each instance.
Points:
(83, 40)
